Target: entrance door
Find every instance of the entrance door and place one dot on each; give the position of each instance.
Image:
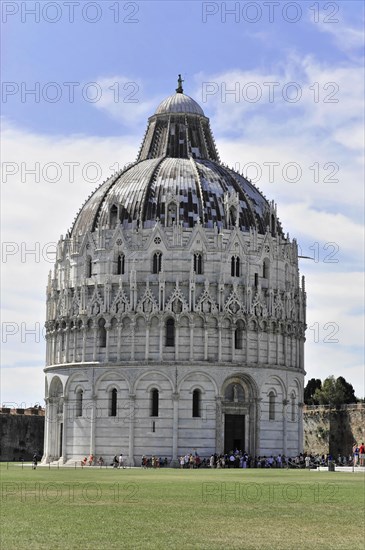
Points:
(234, 432)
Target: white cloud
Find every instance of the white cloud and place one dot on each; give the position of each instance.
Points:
(345, 37)
(121, 97)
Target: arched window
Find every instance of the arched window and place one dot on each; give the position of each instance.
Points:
(113, 217)
(157, 262)
(271, 406)
(102, 333)
(198, 264)
(113, 395)
(196, 403)
(170, 333)
(88, 266)
(293, 407)
(79, 395)
(154, 402)
(235, 266)
(120, 264)
(266, 268)
(238, 335)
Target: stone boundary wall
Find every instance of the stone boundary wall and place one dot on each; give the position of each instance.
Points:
(21, 433)
(333, 430)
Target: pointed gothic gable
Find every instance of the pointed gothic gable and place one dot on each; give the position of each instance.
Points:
(87, 244)
(206, 304)
(234, 304)
(236, 243)
(120, 303)
(96, 303)
(198, 234)
(259, 307)
(158, 237)
(118, 238)
(147, 304)
(266, 250)
(177, 302)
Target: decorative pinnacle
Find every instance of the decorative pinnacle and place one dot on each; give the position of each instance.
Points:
(179, 89)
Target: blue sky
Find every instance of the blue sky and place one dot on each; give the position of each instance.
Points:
(308, 51)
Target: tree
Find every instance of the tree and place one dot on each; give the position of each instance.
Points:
(335, 392)
(309, 390)
(348, 389)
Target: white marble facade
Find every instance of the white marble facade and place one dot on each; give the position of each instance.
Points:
(177, 331)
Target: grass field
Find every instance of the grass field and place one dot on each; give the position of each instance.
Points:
(133, 508)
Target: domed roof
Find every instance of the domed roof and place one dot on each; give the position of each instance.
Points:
(202, 191)
(179, 103)
(177, 178)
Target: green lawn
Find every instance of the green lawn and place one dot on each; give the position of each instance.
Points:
(167, 509)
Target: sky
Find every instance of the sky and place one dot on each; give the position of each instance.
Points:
(282, 83)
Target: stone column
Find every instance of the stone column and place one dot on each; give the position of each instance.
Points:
(132, 403)
(67, 343)
(258, 344)
(52, 427)
(95, 342)
(219, 341)
(107, 348)
(92, 424)
(176, 341)
(205, 341)
(256, 425)
(133, 342)
(147, 347)
(285, 421)
(219, 430)
(247, 344)
(74, 355)
(268, 344)
(55, 346)
(84, 329)
(64, 436)
(191, 352)
(47, 348)
(59, 351)
(161, 339)
(232, 342)
(46, 431)
(119, 343)
(175, 426)
(285, 350)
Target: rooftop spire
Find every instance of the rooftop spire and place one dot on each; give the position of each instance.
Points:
(179, 89)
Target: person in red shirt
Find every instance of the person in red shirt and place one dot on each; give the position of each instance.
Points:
(362, 454)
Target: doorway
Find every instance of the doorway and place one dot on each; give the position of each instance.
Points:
(234, 432)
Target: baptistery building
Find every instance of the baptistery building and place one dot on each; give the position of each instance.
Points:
(175, 310)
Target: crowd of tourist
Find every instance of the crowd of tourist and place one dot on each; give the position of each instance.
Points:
(241, 459)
